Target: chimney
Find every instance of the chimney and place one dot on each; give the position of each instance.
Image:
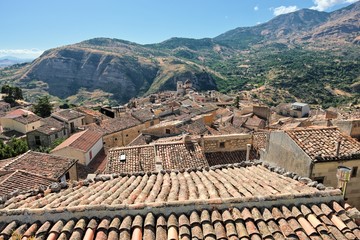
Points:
(248, 147)
(343, 175)
(338, 143)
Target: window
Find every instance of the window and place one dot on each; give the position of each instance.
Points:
(319, 179)
(167, 131)
(90, 155)
(67, 176)
(222, 145)
(37, 140)
(126, 135)
(151, 123)
(33, 127)
(64, 132)
(115, 139)
(56, 136)
(354, 171)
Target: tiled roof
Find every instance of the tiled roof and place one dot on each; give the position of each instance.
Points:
(320, 143)
(139, 158)
(240, 201)
(311, 221)
(217, 158)
(27, 119)
(174, 155)
(143, 115)
(67, 114)
(18, 113)
(115, 124)
(42, 164)
(90, 112)
(221, 183)
(50, 126)
(195, 127)
(181, 155)
(19, 180)
(82, 141)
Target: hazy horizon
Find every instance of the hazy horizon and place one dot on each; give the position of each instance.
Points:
(31, 27)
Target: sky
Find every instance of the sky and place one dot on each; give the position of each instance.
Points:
(29, 27)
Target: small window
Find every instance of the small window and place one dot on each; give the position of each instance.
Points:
(354, 172)
(67, 176)
(151, 123)
(167, 131)
(33, 127)
(319, 179)
(64, 132)
(56, 136)
(222, 144)
(90, 155)
(126, 135)
(115, 139)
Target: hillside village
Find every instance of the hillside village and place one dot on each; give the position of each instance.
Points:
(182, 164)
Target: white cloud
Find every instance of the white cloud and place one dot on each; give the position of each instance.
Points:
(283, 10)
(21, 53)
(256, 8)
(322, 5)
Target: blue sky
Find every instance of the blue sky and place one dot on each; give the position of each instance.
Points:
(29, 27)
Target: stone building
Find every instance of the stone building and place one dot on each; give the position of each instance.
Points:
(20, 120)
(44, 136)
(72, 119)
(317, 153)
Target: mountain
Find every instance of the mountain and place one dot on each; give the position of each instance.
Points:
(286, 59)
(10, 60)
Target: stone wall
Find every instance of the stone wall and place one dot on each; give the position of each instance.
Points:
(283, 152)
(223, 143)
(327, 170)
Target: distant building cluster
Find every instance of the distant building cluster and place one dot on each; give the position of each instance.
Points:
(182, 165)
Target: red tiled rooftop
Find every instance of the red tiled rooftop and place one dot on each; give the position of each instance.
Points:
(42, 164)
(321, 143)
(304, 221)
(173, 155)
(67, 114)
(21, 181)
(83, 140)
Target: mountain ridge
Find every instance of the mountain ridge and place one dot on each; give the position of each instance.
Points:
(238, 59)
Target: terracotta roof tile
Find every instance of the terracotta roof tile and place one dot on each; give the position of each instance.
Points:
(83, 141)
(67, 114)
(321, 143)
(50, 125)
(175, 155)
(219, 158)
(21, 181)
(113, 125)
(46, 165)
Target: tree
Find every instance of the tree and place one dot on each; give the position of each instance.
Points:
(13, 148)
(43, 107)
(12, 94)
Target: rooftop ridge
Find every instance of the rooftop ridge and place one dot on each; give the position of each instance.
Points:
(166, 209)
(6, 203)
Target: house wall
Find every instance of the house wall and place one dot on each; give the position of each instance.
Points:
(148, 123)
(231, 142)
(17, 126)
(161, 130)
(71, 153)
(45, 140)
(329, 169)
(73, 173)
(263, 112)
(122, 138)
(94, 150)
(349, 127)
(283, 152)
